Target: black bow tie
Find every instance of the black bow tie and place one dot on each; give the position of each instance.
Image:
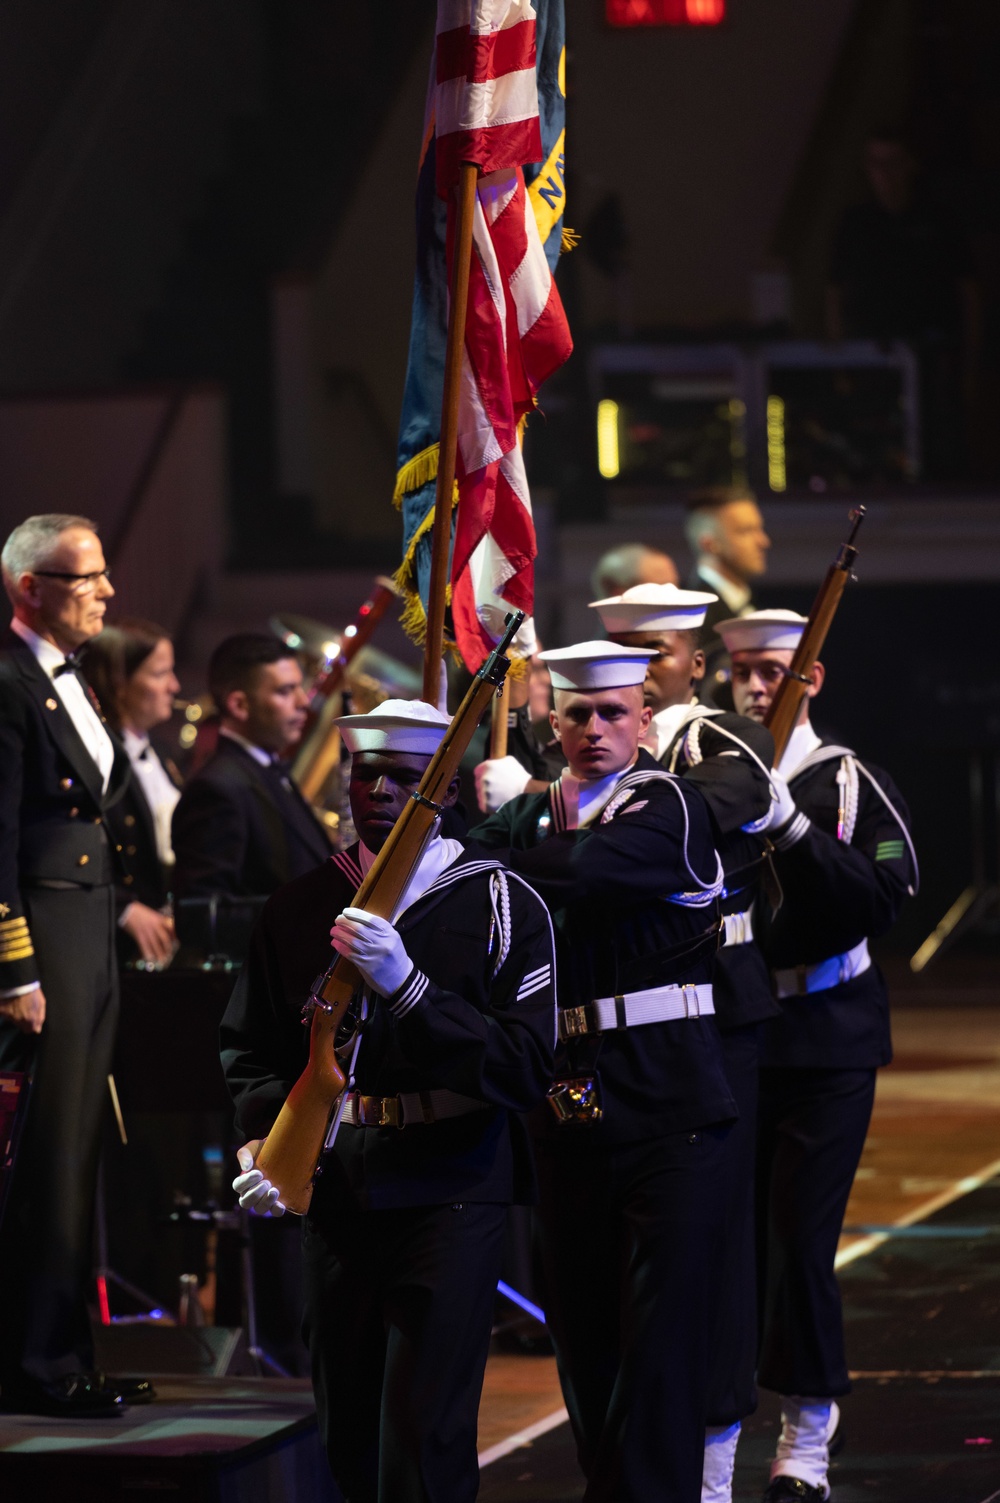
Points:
(71, 665)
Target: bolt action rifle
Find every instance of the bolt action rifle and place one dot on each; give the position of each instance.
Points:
(289, 1154)
(781, 718)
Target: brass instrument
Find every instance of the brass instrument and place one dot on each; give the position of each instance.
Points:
(332, 659)
(784, 711)
(291, 1150)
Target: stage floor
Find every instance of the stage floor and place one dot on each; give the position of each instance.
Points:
(920, 1268)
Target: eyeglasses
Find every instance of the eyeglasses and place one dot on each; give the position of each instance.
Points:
(82, 584)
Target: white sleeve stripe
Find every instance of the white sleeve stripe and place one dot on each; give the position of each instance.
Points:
(532, 974)
(528, 991)
(403, 1005)
(799, 826)
(411, 993)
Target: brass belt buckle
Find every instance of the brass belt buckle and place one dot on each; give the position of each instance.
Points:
(378, 1111)
(572, 1022)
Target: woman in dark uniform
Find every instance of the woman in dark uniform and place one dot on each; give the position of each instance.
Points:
(130, 667)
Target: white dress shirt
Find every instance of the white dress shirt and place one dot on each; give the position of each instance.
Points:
(664, 726)
(75, 700)
(801, 742)
(584, 800)
(438, 854)
(158, 790)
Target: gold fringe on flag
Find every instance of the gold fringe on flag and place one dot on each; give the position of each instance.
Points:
(570, 240)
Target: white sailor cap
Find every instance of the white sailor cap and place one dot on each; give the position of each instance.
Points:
(396, 725)
(589, 666)
(763, 629)
(653, 607)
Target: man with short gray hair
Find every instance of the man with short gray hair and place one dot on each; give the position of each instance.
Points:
(60, 769)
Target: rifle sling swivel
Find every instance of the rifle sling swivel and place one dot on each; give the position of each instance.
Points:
(418, 798)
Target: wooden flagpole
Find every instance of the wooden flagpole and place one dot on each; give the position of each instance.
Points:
(441, 536)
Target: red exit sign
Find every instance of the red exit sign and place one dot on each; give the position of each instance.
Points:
(664, 12)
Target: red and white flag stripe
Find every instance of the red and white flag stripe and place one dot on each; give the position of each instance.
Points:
(487, 91)
(516, 331)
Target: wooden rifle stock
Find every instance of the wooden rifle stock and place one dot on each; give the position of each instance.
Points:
(783, 714)
(290, 1152)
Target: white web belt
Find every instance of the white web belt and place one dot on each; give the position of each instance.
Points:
(800, 980)
(659, 1004)
(737, 928)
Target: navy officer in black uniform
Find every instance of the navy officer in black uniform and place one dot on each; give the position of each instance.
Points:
(728, 758)
(631, 1147)
(404, 1236)
(845, 862)
(60, 772)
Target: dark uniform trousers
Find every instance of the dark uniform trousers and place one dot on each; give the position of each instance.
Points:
(647, 1219)
(842, 880)
(732, 1389)
(811, 1129)
(402, 1299)
(45, 1252)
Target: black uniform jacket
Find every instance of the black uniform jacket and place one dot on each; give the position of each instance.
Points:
(482, 1026)
(609, 887)
(835, 894)
(738, 793)
(52, 807)
(145, 879)
(238, 833)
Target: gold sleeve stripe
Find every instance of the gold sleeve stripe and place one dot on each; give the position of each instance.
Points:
(13, 929)
(24, 953)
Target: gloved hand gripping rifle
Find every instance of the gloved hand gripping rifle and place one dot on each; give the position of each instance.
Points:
(291, 1150)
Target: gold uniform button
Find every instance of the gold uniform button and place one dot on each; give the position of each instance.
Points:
(129, 820)
(83, 860)
(130, 850)
(50, 704)
(65, 783)
(118, 849)
(73, 813)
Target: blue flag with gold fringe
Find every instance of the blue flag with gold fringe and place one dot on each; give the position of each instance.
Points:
(420, 421)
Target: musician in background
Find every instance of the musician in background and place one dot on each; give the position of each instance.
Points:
(130, 667)
(242, 829)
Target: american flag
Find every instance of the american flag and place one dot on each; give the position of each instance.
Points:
(486, 111)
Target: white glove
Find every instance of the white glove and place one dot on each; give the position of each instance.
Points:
(374, 947)
(498, 780)
(256, 1193)
(784, 807)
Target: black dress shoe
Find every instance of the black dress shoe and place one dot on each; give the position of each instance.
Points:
(132, 1390)
(793, 1490)
(77, 1396)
